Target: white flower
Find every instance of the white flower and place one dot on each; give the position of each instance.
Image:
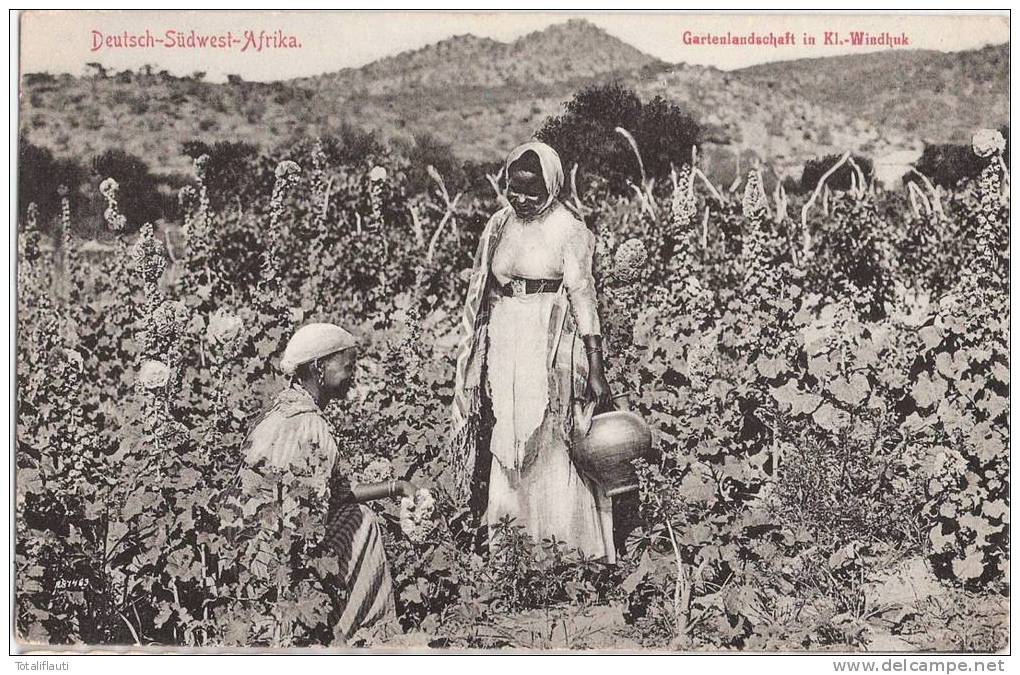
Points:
(201, 168)
(74, 356)
(114, 219)
(377, 173)
(416, 515)
(683, 206)
(108, 188)
(153, 374)
(187, 196)
(754, 203)
(149, 255)
(948, 463)
(287, 168)
(988, 142)
(223, 327)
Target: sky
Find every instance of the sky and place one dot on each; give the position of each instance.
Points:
(65, 41)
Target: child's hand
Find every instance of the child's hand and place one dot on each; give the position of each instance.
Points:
(406, 488)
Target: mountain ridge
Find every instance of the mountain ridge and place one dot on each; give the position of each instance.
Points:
(951, 93)
(570, 50)
(483, 96)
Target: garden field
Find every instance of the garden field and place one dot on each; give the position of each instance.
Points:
(826, 374)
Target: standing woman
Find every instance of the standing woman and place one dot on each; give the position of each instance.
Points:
(533, 348)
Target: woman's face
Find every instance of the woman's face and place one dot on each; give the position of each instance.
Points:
(526, 193)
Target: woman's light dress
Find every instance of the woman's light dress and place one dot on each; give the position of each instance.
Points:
(532, 477)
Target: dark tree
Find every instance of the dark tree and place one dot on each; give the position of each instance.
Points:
(429, 150)
(139, 197)
(38, 78)
(39, 176)
(948, 164)
(230, 170)
(814, 169)
(97, 70)
(586, 134)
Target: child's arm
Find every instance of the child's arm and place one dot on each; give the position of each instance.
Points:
(392, 488)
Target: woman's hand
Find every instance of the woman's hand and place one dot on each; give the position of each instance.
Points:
(598, 390)
(598, 385)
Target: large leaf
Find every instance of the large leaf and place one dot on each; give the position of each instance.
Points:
(831, 418)
(970, 567)
(852, 391)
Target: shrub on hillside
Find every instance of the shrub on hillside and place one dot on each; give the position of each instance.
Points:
(39, 176)
(586, 134)
(947, 164)
(139, 196)
(347, 145)
(427, 150)
(814, 169)
(38, 78)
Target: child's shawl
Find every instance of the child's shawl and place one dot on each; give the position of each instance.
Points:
(291, 434)
(467, 393)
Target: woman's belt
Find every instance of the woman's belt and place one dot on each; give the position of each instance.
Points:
(517, 287)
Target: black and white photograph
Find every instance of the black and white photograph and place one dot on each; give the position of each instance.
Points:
(512, 332)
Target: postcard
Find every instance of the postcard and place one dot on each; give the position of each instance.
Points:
(522, 331)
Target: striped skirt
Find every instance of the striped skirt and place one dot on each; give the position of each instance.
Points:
(355, 536)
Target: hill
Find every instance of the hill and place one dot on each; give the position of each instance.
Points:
(150, 115)
(934, 96)
(479, 95)
(483, 96)
(561, 53)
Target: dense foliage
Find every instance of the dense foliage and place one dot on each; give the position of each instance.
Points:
(140, 201)
(828, 410)
(228, 168)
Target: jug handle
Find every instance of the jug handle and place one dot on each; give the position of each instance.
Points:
(615, 398)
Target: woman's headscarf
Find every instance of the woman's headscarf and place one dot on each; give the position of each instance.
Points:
(552, 168)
